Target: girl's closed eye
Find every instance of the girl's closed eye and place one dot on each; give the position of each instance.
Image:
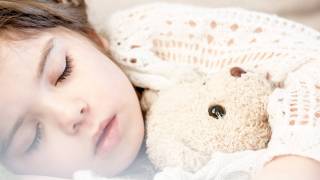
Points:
(37, 138)
(39, 129)
(67, 70)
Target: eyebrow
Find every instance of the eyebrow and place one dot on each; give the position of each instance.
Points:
(44, 57)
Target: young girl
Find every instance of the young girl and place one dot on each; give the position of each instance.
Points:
(66, 106)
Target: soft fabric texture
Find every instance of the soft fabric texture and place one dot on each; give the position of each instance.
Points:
(158, 45)
(306, 11)
(223, 166)
(223, 112)
(141, 169)
(5, 174)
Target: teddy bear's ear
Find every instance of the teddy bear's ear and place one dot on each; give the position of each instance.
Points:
(237, 71)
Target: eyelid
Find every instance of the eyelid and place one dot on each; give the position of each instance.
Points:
(22, 138)
(66, 71)
(37, 138)
(55, 64)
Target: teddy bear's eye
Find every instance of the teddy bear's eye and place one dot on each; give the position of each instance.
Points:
(216, 111)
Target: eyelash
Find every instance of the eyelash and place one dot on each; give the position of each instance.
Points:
(37, 138)
(67, 70)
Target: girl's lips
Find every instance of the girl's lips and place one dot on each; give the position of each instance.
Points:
(107, 136)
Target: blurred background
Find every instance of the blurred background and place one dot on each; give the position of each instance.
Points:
(303, 11)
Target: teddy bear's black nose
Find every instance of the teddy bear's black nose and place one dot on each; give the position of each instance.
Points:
(216, 111)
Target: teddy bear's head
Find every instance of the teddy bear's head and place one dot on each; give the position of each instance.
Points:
(225, 112)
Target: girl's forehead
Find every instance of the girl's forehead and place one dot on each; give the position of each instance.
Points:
(18, 52)
(29, 47)
(16, 38)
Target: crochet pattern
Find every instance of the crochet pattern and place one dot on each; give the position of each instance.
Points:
(156, 44)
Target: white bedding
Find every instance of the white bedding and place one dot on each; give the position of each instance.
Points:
(235, 166)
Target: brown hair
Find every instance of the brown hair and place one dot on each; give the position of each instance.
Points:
(24, 15)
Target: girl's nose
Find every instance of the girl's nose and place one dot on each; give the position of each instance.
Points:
(73, 117)
(68, 115)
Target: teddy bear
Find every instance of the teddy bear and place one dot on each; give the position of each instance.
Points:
(222, 112)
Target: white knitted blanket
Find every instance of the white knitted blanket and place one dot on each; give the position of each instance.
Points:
(158, 45)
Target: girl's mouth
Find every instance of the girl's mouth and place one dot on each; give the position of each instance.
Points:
(108, 136)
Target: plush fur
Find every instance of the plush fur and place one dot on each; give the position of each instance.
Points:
(183, 130)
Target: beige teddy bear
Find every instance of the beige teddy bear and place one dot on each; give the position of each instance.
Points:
(225, 112)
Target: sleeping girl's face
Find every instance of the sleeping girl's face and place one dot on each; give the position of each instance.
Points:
(65, 106)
